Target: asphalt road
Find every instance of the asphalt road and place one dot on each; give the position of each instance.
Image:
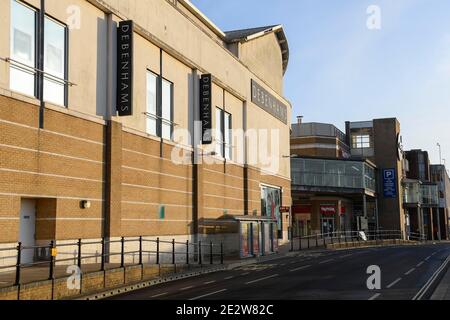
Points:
(337, 275)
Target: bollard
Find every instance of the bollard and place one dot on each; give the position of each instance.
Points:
(102, 266)
(140, 251)
(157, 251)
(52, 261)
(122, 252)
(79, 253)
(200, 262)
(187, 252)
(211, 257)
(19, 257)
(173, 252)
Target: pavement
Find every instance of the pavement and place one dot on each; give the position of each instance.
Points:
(442, 291)
(407, 272)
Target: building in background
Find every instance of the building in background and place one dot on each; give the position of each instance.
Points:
(421, 195)
(318, 140)
(349, 181)
(331, 191)
(379, 141)
(88, 145)
(440, 176)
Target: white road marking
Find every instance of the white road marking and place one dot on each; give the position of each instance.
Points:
(208, 295)
(229, 278)
(300, 268)
(245, 274)
(375, 297)
(159, 295)
(262, 279)
(427, 258)
(326, 261)
(210, 282)
(410, 271)
(187, 288)
(394, 283)
(430, 282)
(420, 264)
(346, 256)
(434, 253)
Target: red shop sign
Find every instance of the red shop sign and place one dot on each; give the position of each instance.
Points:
(328, 210)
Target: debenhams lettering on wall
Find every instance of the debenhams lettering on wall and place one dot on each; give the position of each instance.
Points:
(260, 96)
(125, 36)
(263, 99)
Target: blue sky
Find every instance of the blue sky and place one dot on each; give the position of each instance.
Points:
(340, 70)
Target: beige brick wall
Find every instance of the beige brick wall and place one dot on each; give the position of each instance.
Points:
(64, 164)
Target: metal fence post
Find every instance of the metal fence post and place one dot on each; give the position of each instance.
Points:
(52, 261)
(157, 251)
(200, 262)
(19, 257)
(300, 243)
(103, 255)
(173, 251)
(332, 238)
(317, 240)
(211, 250)
(292, 241)
(140, 250)
(221, 253)
(122, 252)
(187, 252)
(309, 246)
(79, 253)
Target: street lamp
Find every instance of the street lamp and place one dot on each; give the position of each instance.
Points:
(440, 153)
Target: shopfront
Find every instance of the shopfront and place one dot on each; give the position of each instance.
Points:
(258, 237)
(301, 223)
(271, 207)
(328, 219)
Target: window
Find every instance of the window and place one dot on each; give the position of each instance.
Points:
(227, 136)
(152, 83)
(219, 135)
(23, 49)
(223, 134)
(54, 62)
(166, 113)
(361, 141)
(24, 53)
(159, 122)
(271, 199)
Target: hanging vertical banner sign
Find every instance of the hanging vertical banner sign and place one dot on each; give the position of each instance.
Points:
(125, 68)
(206, 108)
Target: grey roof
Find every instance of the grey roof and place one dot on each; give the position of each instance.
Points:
(239, 35)
(244, 34)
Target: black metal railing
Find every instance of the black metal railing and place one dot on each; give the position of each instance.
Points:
(105, 254)
(325, 239)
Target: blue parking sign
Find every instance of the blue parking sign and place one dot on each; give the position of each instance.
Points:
(390, 183)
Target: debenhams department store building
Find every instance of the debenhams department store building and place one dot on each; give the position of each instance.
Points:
(91, 93)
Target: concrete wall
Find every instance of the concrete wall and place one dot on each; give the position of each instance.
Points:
(263, 55)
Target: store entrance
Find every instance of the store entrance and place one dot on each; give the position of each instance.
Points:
(328, 226)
